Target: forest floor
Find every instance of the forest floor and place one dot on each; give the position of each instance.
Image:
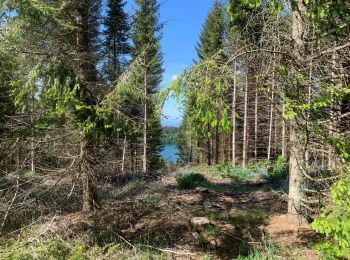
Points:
(151, 219)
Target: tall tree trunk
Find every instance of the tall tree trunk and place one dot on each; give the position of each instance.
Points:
(284, 132)
(114, 59)
(332, 164)
(124, 153)
(90, 197)
(297, 150)
(217, 144)
(256, 124)
(296, 179)
(208, 147)
(198, 153)
(191, 149)
(245, 127)
(32, 145)
(17, 154)
(86, 72)
(234, 112)
(144, 158)
(271, 108)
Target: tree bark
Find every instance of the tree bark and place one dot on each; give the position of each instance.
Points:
(124, 153)
(217, 144)
(32, 139)
(245, 127)
(271, 109)
(90, 197)
(144, 159)
(332, 162)
(284, 131)
(208, 147)
(234, 105)
(297, 150)
(256, 124)
(86, 72)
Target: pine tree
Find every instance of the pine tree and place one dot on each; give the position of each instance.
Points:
(116, 44)
(146, 44)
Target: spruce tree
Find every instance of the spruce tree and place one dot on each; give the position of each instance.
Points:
(146, 45)
(116, 44)
(62, 72)
(212, 37)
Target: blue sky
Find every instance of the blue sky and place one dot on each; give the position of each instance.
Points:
(184, 20)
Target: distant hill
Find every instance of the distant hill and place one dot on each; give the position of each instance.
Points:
(169, 135)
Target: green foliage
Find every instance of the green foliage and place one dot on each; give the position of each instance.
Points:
(278, 171)
(31, 175)
(191, 181)
(169, 135)
(260, 167)
(46, 249)
(267, 251)
(116, 42)
(334, 222)
(273, 172)
(146, 37)
(236, 174)
(200, 81)
(328, 16)
(213, 33)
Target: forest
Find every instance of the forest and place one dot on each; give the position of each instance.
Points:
(169, 135)
(264, 141)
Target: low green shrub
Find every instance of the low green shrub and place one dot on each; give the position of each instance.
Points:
(191, 181)
(241, 175)
(236, 174)
(334, 222)
(31, 175)
(260, 166)
(278, 171)
(273, 172)
(46, 249)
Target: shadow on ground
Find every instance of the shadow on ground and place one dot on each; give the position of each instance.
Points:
(157, 215)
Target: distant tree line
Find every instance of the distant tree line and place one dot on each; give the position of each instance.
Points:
(169, 135)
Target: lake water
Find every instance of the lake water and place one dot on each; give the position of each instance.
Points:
(169, 153)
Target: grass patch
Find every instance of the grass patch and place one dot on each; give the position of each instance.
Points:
(156, 187)
(248, 218)
(265, 250)
(149, 202)
(30, 246)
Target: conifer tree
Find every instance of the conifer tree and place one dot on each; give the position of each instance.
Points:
(212, 37)
(146, 43)
(211, 40)
(116, 44)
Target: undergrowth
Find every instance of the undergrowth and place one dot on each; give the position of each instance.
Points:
(271, 171)
(54, 247)
(191, 181)
(265, 250)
